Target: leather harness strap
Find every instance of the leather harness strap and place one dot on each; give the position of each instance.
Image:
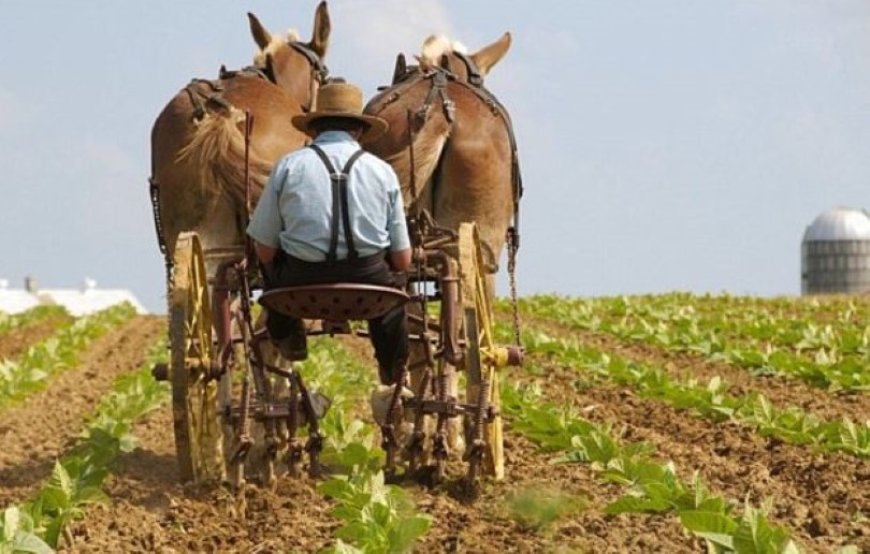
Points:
(340, 204)
(439, 78)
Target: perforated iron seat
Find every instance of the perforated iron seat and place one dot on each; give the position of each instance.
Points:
(334, 302)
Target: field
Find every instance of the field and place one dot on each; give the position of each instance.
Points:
(669, 423)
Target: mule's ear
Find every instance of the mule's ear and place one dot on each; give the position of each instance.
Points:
(400, 69)
(490, 55)
(260, 34)
(322, 27)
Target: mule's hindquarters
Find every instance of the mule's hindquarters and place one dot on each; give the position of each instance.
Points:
(199, 163)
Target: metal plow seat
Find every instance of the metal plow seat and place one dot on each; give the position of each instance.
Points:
(334, 301)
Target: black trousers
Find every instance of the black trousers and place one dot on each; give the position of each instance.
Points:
(389, 333)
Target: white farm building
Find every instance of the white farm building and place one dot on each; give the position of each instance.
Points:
(84, 300)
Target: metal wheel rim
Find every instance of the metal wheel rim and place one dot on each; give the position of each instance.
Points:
(198, 436)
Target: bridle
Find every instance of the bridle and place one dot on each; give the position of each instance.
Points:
(319, 71)
(207, 92)
(406, 77)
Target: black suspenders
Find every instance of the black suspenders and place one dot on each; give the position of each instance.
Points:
(339, 203)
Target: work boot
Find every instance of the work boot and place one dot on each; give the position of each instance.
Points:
(380, 401)
(293, 348)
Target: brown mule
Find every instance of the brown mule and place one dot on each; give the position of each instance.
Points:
(458, 138)
(198, 143)
(451, 144)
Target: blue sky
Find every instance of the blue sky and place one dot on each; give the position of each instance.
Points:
(665, 145)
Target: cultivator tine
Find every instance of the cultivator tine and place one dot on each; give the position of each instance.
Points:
(294, 447)
(314, 445)
(475, 452)
(416, 447)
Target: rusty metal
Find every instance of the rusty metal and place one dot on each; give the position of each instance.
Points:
(475, 451)
(513, 244)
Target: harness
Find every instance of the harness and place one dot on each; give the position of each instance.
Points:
(208, 93)
(340, 208)
(405, 77)
(439, 77)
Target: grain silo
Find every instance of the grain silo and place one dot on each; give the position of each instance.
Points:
(835, 253)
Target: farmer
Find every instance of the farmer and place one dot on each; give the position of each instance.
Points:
(301, 240)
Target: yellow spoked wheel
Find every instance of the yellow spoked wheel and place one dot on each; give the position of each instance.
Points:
(198, 436)
(482, 357)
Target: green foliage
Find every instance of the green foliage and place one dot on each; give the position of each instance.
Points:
(538, 507)
(376, 517)
(651, 486)
(77, 479)
(59, 352)
(711, 400)
(17, 534)
(779, 336)
(9, 322)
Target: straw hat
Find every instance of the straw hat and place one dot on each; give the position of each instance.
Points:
(341, 99)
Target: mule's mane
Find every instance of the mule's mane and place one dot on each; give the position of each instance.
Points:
(274, 45)
(436, 46)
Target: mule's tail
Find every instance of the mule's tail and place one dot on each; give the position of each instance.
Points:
(422, 156)
(217, 150)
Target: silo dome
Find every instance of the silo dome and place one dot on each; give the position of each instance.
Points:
(835, 254)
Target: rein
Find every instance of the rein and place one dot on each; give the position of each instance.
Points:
(407, 77)
(439, 78)
(205, 93)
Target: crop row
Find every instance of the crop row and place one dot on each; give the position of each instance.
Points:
(710, 400)
(821, 356)
(375, 516)
(76, 481)
(9, 322)
(653, 486)
(60, 351)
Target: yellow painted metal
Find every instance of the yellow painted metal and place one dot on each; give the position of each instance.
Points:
(475, 300)
(198, 437)
(498, 355)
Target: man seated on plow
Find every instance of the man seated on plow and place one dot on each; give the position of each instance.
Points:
(302, 240)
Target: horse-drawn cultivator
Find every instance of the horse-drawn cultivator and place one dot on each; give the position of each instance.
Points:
(229, 393)
(239, 408)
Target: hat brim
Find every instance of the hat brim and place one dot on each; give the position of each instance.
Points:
(376, 125)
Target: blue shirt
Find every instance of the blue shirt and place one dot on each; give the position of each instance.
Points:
(295, 209)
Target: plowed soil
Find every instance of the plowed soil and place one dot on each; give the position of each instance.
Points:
(35, 432)
(16, 342)
(818, 497)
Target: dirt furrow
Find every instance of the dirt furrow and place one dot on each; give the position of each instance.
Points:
(819, 497)
(779, 389)
(152, 512)
(487, 526)
(16, 342)
(35, 432)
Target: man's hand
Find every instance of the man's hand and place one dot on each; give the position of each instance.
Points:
(400, 260)
(265, 253)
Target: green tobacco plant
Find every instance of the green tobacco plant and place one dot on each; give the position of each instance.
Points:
(539, 507)
(651, 485)
(17, 534)
(763, 336)
(76, 480)
(376, 517)
(711, 400)
(59, 352)
(33, 315)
